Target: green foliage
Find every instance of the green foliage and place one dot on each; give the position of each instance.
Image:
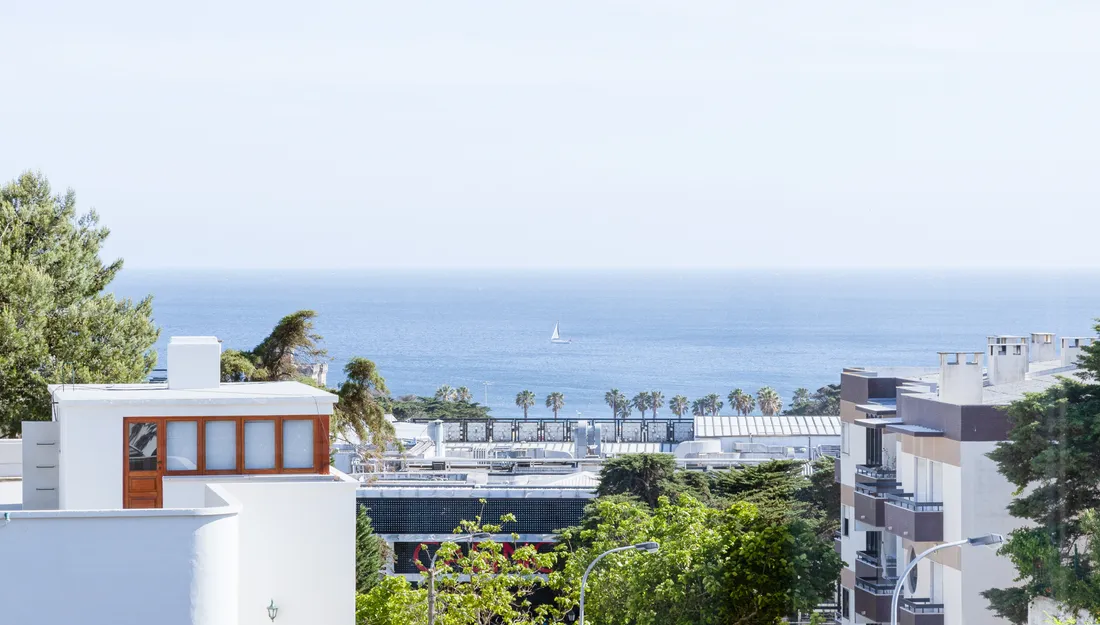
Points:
(617, 402)
(656, 401)
(359, 408)
(429, 408)
(445, 393)
(292, 342)
(715, 566)
(825, 401)
(640, 402)
(645, 476)
(1050, 456)
(56, 323)
(392, 601)
(370, 553)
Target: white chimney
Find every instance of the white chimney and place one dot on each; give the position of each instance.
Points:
(439, 438)
(961, 377)
(1042, 347)
(194, 362)
(1007, 359)
(1071, 348)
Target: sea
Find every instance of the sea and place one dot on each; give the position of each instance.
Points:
(689, 333)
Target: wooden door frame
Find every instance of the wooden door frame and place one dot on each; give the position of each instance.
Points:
(159, 471)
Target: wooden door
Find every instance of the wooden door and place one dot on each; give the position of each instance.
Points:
(144, 462)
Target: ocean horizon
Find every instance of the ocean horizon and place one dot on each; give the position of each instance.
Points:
(677, 331)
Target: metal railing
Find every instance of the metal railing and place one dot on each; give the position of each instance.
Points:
(879, 490)
(869, 558)
(876, 471)
(876, 586)
(920, 606)
(905, 500)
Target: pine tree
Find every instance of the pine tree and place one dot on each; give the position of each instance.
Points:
(369, 553)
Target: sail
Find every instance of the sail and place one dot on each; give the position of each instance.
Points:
(554, 336)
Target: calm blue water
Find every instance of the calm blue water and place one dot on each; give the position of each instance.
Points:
(689, 333)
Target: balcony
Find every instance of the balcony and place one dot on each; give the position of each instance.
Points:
(919, 612)
(921, 521)
(871, 564)
(873, 599)
(870, 502)
(869, 473)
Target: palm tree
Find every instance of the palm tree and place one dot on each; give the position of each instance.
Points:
(679, 406)
(714, 405)
(625, 409)
(525, 399)
(555, 401)
(750, 404)
(641, 402)
(656, 400)
(770, 403)
(737, 400)
(613, 398)
(463, 394)
(445, 393)
(699, 407)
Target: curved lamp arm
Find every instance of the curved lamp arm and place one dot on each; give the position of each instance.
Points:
(988, 539)
(649, 547)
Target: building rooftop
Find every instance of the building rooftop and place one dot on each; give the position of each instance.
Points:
(226, 392)
(729, 426)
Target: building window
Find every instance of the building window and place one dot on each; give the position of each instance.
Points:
(913, 572)
(259, 444)
(845, 512)
(844, 437)
(845, 604)
(183, 446)
(874, 447)
(221, 445)
(297, 444)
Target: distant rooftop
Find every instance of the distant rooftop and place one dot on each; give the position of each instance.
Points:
(730, 426)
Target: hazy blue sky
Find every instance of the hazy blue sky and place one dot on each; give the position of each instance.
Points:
(565, 134)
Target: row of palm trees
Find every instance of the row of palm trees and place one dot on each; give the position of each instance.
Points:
(767, 399)
(621, 406)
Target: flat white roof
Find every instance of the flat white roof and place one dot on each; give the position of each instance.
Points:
(225, 393)
(730, 426)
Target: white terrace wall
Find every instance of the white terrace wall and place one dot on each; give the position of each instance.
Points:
(172, 567)
(11, 457)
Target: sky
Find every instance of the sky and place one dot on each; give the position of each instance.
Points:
(565, 135)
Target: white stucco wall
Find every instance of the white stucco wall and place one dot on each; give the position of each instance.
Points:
(1044, 611)
(92, 443)
(177, 567)
(297, 548)
(987, 493)
(11, 457)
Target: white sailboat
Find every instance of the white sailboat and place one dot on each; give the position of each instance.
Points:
(556, 338)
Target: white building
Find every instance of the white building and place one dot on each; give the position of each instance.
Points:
(191, 502)
(914, 472)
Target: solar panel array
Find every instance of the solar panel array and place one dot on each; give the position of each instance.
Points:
(409, 515)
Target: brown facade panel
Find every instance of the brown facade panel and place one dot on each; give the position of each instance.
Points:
(913, 522)
(872, 600)
(847, 495)
(939, 449)
(869, 509)
(919, 612)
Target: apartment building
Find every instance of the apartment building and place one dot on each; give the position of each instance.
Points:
(914, 473)
(188, 502)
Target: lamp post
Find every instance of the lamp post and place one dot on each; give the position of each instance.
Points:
(470, 538)
(646, 547)
(976, 541)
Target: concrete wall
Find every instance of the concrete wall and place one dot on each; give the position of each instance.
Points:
(11, 457)
(297, 548)
(92, 444)
(175, 567)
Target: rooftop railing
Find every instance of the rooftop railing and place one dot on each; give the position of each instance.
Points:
(876, 471)
(876, 586)
(920, 606)
(905, 500)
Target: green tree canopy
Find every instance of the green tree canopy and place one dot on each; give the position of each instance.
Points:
(679, 405)
(715, 566)
(525, 399)
(825, 401)
(370, 553)
(56, 322)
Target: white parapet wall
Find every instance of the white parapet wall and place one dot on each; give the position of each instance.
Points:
(297, 536)
(172, 566)
(11, 457)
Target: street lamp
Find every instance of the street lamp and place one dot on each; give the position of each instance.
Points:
(646, 547)
(976, 541)
(470, 538)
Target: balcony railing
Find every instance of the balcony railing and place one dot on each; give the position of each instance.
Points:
(905, 500)
(921, 606)
(876, 472)
(882, 586)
